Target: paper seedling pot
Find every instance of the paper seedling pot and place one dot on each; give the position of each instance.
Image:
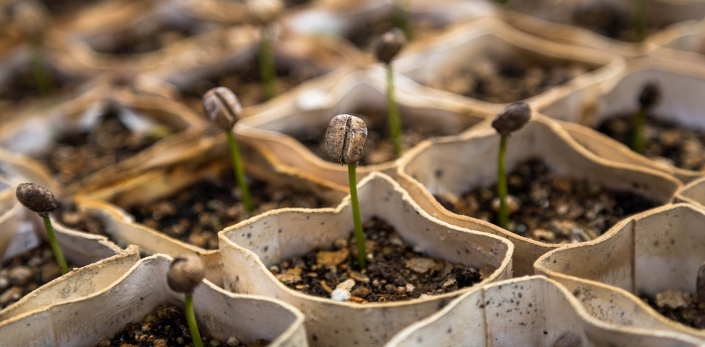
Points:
(249, 248)
(548, 19)
(271, 128)
(682, 42)
(35, 135)
(492, 39)
(87, 321)
(693, 193)
(530, 311)
(645, 254)
(458, 164)
(680, 104)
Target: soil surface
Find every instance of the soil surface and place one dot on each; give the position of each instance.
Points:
(64, 6)
(68, 215)
(378, 147)
(142, 40)
(665, 141)
(244, 80)
(77, 155)
(197, 213)
(550, 208)
(165, 327)
(506, 79)
(371, 27)
(678, 306)
(27, 272)
(22, 87)
(396, 272)
(608, 21)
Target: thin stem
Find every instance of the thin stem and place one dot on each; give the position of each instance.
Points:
(41, 72)
(191, 320)
(266, 63)
(359, 235)
(638, 131)
(402, 18)
(55, 247)
(639, 20)
(393, 111)
(239, 170)
(502, 214)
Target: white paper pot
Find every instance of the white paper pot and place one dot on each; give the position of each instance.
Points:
(250, 247)
(682, 42)
(459, 164)
(531, 311)
(547, 19)
(33, 135)
(693, 193)
(681, 104)
(87, 321)
(492, 39)
(268, 128)
(645, 254)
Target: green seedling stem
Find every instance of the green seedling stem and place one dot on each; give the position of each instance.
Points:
(191, 320)
(239, 170)
(502, 214)
(402, 18)
(638, 130)
(359, 235)
(54, 243)
(41, 72)
(266, 63)
(639, 20)
(393, 111)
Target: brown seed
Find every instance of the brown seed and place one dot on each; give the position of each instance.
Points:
(222, 107)
(345, 138)
(568, 339)
(650, 95)
(36, 198)
(700, 284)
(512, 118)
(389, 44)
(185, 273)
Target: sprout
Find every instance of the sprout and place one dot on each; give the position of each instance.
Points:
(223, 108)
(32, 20)
(185, 273)
(402, 18)
(639, 20)
(264, 12)
(386, 48)
(649, 97)
(511, 119)
(345, 140)
(40, 200)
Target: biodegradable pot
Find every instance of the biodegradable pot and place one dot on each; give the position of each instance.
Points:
(645, 254)
(140, 113)
(680, 104)
(531, 311)
(459, 164)
(549, 19)
(693, 193)
(249, 248)
(490, 39)
(682, 42)
(88, 321)
(272, 127)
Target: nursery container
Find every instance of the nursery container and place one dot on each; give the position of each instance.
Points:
(680, 43)
(249, 248)
(90, 320)
(458, 164)
(530, 311)
(693, 193)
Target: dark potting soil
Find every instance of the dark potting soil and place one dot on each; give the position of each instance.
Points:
(27, 272)
(145, 41)
(197, 213)
(396, 272)
(64, 6)
(504, 80)
(370, 28)
(682, 147)
(165, 327)
(23, 86)
(608, 21)
(378, 147)
(550, 208)
(678, 306)
(244, 80)
(68, 215)
(77, 155)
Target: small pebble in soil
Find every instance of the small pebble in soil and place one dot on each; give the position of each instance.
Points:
(395, 271)
(678, 306)
(198, 212)
(166, 326)
(663, 140)
(553, 209)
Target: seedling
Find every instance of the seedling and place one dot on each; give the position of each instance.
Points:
(223, 108)
(511, 119)
(345, 140)
(32, 18)
(265, 12)
(386, 48)
(402, 18)
(40, 200)
(639, 20)
(185, 273)
(649, 97)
